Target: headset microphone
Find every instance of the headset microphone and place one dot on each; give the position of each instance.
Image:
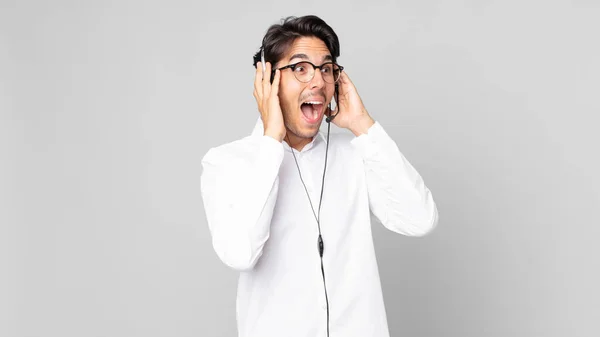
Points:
(262, 60)
(328, 119)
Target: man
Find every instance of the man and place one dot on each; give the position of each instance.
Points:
(307, 270)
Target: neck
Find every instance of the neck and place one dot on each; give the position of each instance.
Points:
(298, 143)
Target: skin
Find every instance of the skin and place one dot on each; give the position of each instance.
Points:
(279, 103)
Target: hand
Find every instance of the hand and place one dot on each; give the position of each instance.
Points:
(268, 102)
(353, 114)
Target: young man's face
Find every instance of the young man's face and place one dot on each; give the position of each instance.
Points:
(303, 120)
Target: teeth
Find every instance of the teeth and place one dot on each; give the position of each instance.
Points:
(312, 102)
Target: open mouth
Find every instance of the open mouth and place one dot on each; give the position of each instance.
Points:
(312, 111)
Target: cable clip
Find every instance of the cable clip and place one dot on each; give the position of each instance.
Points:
(321, 246)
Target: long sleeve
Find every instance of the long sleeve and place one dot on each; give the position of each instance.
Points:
(239, 185)
(398, 196)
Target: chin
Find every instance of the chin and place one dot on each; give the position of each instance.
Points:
(307, 133)
(302, 130)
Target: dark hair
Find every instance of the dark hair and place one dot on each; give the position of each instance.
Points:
(280, 37)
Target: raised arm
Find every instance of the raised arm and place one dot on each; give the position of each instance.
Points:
(240, 182)
(398, 196)
(239, 185)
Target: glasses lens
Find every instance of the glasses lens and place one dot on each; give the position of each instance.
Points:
(330, 72)
(304, 71)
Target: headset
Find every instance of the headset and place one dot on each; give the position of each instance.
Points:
(330, 117)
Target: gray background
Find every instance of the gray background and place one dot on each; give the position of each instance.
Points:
(107, 108)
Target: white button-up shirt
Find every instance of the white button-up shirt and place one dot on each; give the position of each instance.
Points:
(262, 225)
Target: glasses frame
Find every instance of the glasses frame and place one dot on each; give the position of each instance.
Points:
(315, 68)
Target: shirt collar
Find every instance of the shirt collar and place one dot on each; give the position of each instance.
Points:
(320, 137)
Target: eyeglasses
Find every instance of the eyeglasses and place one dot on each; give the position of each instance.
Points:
(305, 71)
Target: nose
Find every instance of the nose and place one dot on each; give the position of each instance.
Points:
(317, 80)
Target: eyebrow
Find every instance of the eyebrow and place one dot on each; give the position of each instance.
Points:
(305, 57)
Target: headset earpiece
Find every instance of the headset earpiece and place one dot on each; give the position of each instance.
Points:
(262, 59)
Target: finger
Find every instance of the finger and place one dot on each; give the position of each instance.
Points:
(346, 78)
(341, 80)
(346, 84)
(275, 86)
(266, 81)
(258, 79)
(347, 81)
(259, 100)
